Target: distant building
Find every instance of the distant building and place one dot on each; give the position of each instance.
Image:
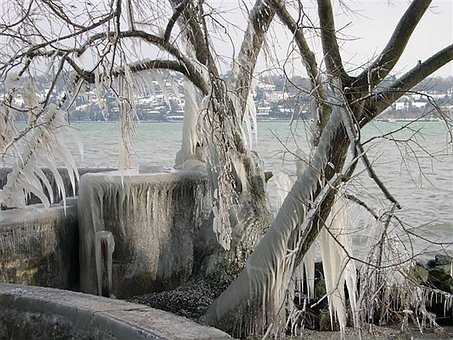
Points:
(263, 111)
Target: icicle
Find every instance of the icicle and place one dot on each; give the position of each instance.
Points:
(251, 109)
(41, 146)
(100, 91)
(338, 269)
(247, 132)
(309, 264)
(189, 135)
(280, 184)
(104, 248)
(12, 81)
(127, 162)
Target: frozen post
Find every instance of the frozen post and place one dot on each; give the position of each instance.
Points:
(105, 246)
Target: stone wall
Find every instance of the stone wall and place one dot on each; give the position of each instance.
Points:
(36, 313)
(158, 221)
(39, 246)
(161, 226)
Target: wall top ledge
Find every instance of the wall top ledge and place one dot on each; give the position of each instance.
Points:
(121, 319)
(38, 212)
(157, 177)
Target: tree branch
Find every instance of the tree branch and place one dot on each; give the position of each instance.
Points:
(308, 57)
(176, 14)
(59, 12)
(381, 67)
(192, 28)
(329, 41)
(259, 20)
(29, 52)
(382, 100)
(171, 65)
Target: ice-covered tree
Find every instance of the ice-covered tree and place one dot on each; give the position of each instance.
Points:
(106, 43)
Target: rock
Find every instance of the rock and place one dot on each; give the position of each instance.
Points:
(190, 300)
(418, 273)
(324, 321)
(438, 271)
(440, 278)
(320, 288)
(440, 260)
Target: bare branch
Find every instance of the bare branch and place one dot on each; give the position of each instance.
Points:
(381, 67)
(308, 57)
(176, 14)
(171, 65)
(329, 41)
(192, 28)
(382, 100)
(354, 137)
(59, 12)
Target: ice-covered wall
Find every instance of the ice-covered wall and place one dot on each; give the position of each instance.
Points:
(158, 222)
(38, 246)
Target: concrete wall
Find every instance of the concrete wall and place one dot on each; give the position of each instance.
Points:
(157, 220)
(161, 225)
(43, 313)
(39, 246)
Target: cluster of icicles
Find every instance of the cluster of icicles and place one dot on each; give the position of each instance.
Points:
(403, 293)
(337, 268)
(40, 144)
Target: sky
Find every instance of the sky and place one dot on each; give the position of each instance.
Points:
(364, 31)
(374, 22)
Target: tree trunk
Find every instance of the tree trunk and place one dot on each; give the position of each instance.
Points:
(253, 301)
(237, 181)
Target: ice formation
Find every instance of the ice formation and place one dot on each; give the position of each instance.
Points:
(251, 122)
(338, 268)
(42, 146)
(270, 267)
(189, 134)
(190, 148)
(281, 185)
(153, 218)
(128, 122)
(104, 248)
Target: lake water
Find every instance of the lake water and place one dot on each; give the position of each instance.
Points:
(419, 173)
